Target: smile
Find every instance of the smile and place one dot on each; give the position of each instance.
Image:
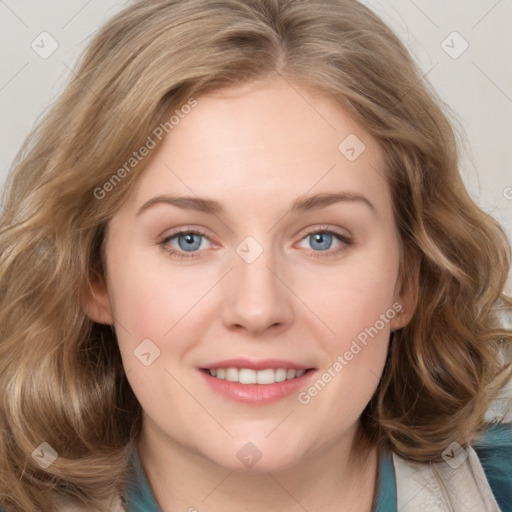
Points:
(256, 381)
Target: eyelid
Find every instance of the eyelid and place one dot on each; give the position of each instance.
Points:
(185, 230)
(324, 228)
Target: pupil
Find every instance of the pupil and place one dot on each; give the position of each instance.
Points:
(323, 240)
(189, 242)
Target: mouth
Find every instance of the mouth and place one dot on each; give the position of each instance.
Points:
(256, 382)
(264, 377)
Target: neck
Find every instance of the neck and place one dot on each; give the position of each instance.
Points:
(330, 478)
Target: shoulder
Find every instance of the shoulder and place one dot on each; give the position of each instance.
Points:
(494, 450)
(477, 478)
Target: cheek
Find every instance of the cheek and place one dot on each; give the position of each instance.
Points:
(152, 298)
(357, 306)
(355, 354)
(153, 302)
(353, 298)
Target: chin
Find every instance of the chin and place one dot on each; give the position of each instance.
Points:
(257, 457)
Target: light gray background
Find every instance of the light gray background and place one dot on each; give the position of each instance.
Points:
(477, 85)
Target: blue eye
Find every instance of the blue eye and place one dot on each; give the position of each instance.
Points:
(325, 243)
(320, 241)
(189, 241)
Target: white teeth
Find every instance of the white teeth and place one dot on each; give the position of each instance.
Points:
(232, 374)
(280, 375)
(266, 376)
(248, 376)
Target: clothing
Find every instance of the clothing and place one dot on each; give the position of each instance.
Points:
(481, 483)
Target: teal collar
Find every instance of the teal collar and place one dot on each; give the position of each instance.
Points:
(385, 498)
(139, 497)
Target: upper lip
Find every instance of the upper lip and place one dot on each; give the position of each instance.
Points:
(256, 365)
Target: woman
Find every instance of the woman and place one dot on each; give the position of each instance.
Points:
(240, 270)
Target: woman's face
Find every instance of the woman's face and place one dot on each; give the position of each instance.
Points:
(287, 265)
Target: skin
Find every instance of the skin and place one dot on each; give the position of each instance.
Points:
(255, 149)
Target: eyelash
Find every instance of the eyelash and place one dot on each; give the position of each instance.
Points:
(346, 241)
(176, 254)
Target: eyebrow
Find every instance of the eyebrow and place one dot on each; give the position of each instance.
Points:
(301, 204)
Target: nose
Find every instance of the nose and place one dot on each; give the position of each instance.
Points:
(256, 298)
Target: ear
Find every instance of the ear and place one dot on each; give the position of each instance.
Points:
(96, 301)
(406, 292)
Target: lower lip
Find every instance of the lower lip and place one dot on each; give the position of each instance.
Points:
(257, 393)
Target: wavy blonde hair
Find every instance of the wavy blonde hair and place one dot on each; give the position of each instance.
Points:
(61, 375)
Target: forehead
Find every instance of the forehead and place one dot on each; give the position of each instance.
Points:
(262, 143)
